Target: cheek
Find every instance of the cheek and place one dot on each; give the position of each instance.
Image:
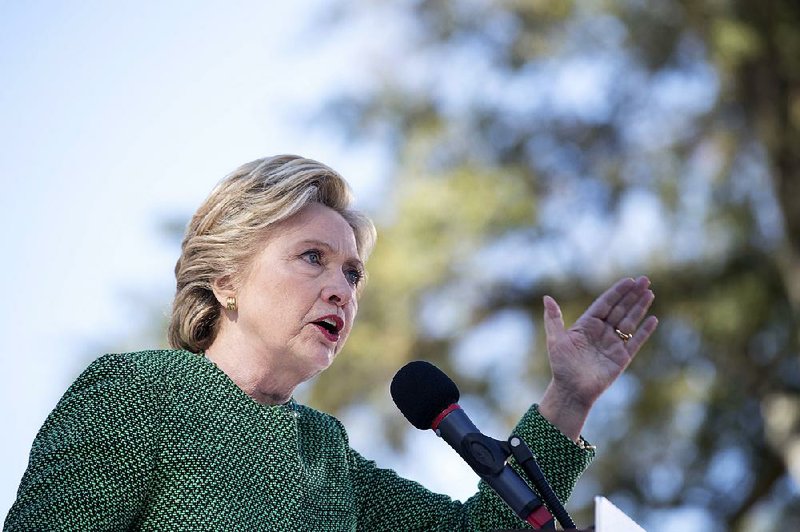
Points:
(350, 316)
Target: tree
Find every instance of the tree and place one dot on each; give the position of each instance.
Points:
(553, 147)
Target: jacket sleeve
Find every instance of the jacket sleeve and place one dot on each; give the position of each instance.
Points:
(93, 459)
(386, 501)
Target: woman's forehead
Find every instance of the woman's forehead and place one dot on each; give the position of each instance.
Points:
(317, 225)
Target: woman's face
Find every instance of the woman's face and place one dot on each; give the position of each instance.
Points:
(298, 300)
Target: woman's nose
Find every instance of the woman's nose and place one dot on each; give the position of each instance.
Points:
(337, 289)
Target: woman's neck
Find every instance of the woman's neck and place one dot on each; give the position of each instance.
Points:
(255, 374)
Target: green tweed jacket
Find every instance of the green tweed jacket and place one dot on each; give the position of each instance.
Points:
(164, 440)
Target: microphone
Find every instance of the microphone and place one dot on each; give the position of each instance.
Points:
(429, 400)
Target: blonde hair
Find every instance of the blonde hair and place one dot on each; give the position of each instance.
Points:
(228, 229)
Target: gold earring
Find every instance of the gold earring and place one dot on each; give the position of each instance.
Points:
(231, 303)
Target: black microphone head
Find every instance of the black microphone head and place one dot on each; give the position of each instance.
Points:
(422, 391)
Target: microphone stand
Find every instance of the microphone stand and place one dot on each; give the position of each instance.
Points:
(487, 454)
(488, 457)
(524, 457)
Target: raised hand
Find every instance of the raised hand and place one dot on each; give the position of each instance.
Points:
(589, 356)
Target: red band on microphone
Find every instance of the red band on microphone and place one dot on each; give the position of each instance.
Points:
(442, 415)
(539, 517)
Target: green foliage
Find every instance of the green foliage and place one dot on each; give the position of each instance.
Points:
(692, 106)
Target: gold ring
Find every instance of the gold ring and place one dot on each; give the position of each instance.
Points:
(623, 336)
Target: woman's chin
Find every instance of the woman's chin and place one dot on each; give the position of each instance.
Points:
(319, 362)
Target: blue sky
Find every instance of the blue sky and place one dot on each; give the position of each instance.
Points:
(114, 117)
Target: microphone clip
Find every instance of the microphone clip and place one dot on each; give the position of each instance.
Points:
(485, 455)
(488, 457)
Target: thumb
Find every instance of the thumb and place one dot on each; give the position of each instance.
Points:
(553, 321)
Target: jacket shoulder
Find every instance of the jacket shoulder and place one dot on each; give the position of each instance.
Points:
(145, 364)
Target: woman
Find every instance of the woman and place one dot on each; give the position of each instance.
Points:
(207, 436)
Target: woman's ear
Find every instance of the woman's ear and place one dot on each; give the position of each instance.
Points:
(223, 289)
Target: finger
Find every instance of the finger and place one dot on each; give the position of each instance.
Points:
(603, 305)
(641, 335)
(636, 312)
(624, 306)
(553, 320)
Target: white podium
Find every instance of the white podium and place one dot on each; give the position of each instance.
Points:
(609, 518)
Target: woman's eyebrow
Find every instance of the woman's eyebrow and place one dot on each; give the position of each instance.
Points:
(354, 261)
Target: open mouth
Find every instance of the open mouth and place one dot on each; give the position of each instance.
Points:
(330, 327)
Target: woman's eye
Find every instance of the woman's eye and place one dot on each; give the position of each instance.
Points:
(354, 276)
(313, 256)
